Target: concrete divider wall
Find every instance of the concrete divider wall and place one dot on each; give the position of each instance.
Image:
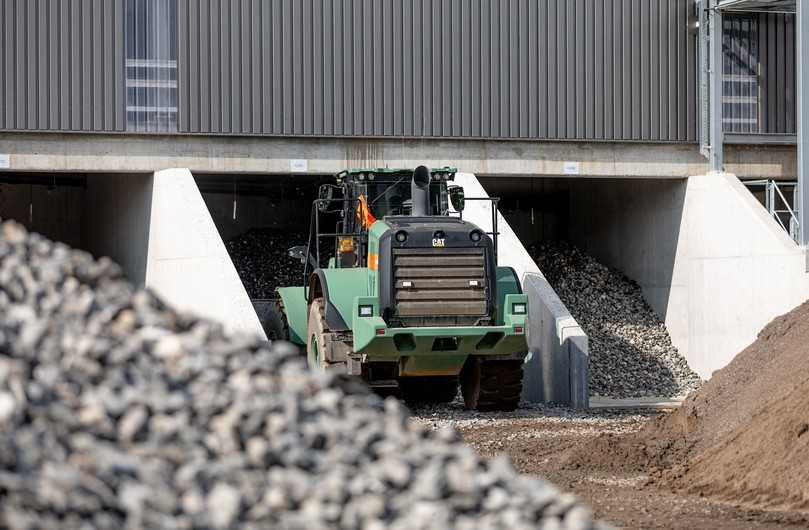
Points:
(187, 261)
(710, 260)
(556, 370)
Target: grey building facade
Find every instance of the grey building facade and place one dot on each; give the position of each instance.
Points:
(587, 70)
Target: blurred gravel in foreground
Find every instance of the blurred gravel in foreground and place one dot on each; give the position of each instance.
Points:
(117, 412)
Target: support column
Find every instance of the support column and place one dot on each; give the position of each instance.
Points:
(717, 136)
(802, 53)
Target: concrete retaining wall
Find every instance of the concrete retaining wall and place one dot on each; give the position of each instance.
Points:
(556, 370)
(187, 261)
(116, 218)
(709, 259)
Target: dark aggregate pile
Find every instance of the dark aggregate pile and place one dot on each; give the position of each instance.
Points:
(117, 412)
(631, 354)
(261, 258)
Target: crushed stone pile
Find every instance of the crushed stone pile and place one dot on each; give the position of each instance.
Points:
(631, 354)
(118, 412)
(742, 437)
(261, 258)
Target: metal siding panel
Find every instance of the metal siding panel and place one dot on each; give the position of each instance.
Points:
(87, 66)
(42, 64)
(458, 89)
(367, 73)
(376, 56)
(568, 88)
(790, 107)
(236, 76)
(108, 65)
(203, 54)
(682, 110)
(524, 70)
(691, 80)
(337, 66)
(543, 69)
(277, 68)
(606, 22)
(595, 53)
(217, 71)
(184, 35)
(396, 66)
(444, 77)
(191, 116)
(654, 71)
(96, 66)
(317, 67)
(581, 109)
(305, 95)
(532, 88)
(9, 53)
(21, 92)
(485, 68)
(553, 70)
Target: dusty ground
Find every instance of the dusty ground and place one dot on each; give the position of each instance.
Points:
(538, 439)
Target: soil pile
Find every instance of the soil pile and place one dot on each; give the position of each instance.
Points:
(743, 436)
(631, 354)
(118, 412)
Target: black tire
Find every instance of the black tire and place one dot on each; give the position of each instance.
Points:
(491, 385)
(282, 333)
(319, 340)
(428, 389)
(314, 332)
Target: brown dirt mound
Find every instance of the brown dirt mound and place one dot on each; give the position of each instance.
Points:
(743, 437)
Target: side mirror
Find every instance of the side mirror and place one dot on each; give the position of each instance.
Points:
(456, 197)
(299, 253)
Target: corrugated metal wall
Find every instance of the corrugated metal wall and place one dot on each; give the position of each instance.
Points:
(777, 74)
(555, 69)
(61, 65)
(759, 74)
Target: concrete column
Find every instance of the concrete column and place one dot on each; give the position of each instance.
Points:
(188, 264)
(802, 44)
(716, 57)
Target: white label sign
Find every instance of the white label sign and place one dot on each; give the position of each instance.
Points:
(297, 165)
(571, 168)
(5, 161)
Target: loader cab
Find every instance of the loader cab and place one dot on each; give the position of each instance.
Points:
(364, 195)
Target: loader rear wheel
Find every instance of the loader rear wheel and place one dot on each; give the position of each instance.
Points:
(489, 385)
(428, 389)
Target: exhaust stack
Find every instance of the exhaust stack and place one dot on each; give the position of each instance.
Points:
(420, 191)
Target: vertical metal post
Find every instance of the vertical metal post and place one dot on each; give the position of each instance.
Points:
(802, 53)
(716, 71)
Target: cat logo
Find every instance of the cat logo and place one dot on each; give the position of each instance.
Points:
(438, 242)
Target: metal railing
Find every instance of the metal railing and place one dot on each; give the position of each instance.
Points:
(778, 206)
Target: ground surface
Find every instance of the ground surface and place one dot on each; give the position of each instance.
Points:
(538, 440)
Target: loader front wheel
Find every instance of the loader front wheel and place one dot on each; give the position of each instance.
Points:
(321, 346)
(489, 385)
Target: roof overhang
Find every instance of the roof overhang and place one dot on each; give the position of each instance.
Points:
(765, 6)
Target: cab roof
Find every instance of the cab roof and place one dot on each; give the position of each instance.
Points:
(352, 174)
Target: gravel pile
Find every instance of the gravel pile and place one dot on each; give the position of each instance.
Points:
(261, 259)
(117, 412)
(631, 354)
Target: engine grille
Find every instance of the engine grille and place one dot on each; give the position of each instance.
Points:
(439, 286)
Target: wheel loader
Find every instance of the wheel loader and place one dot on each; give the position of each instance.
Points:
(399, 290)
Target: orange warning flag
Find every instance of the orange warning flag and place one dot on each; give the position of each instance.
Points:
(364, 215)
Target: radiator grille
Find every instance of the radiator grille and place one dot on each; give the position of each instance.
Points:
(439, 286)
